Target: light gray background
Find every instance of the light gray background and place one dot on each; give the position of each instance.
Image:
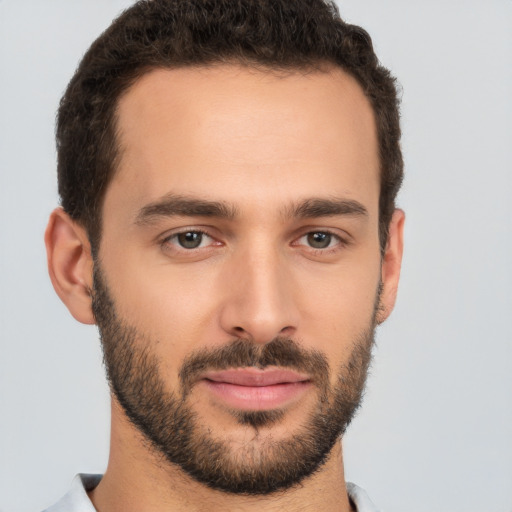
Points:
(435, 431)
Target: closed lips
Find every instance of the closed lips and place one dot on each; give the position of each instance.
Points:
(255, 377)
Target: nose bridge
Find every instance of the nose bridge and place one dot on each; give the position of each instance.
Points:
(260, 303)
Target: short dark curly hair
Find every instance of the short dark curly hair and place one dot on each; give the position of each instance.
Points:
(272, 34)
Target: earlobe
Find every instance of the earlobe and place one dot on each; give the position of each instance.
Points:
(391, 265)
(70, 264)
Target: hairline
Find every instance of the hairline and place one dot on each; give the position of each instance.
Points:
(278, 70)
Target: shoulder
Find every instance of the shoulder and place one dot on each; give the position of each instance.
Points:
(76, 500)
(360, 499)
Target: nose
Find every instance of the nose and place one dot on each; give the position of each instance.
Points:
(260, 303)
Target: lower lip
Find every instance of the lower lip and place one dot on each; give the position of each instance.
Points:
(257, 398)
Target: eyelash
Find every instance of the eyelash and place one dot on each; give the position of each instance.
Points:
(341, 242)
(167, 240)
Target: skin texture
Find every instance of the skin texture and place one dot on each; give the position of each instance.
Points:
(261, 144)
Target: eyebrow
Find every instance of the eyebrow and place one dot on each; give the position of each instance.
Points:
(178, 205)
(321, 207)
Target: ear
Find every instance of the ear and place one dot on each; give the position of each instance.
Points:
(70, 264)
(391, 264)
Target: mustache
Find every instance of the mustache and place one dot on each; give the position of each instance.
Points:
(243, 353)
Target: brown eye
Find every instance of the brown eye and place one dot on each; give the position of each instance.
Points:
(319, 240)
(190, 239)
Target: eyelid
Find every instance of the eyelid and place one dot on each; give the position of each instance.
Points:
(334, 232)
(166, 239)
(343, 240)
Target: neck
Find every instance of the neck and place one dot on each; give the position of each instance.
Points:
(138, 479)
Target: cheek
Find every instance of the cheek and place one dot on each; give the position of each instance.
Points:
(173, 307)
(337, 308)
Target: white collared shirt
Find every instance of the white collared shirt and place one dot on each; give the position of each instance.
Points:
(76, 500)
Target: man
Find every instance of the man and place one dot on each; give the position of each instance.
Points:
(228, 172)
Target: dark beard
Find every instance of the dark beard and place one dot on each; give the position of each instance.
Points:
(167, 421)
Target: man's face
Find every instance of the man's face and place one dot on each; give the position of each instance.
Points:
(237, 283)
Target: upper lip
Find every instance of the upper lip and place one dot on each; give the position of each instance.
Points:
(256, 377)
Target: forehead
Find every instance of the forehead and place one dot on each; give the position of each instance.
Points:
(238, 134)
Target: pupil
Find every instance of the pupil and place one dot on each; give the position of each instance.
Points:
(319, 240)
(190, 240)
